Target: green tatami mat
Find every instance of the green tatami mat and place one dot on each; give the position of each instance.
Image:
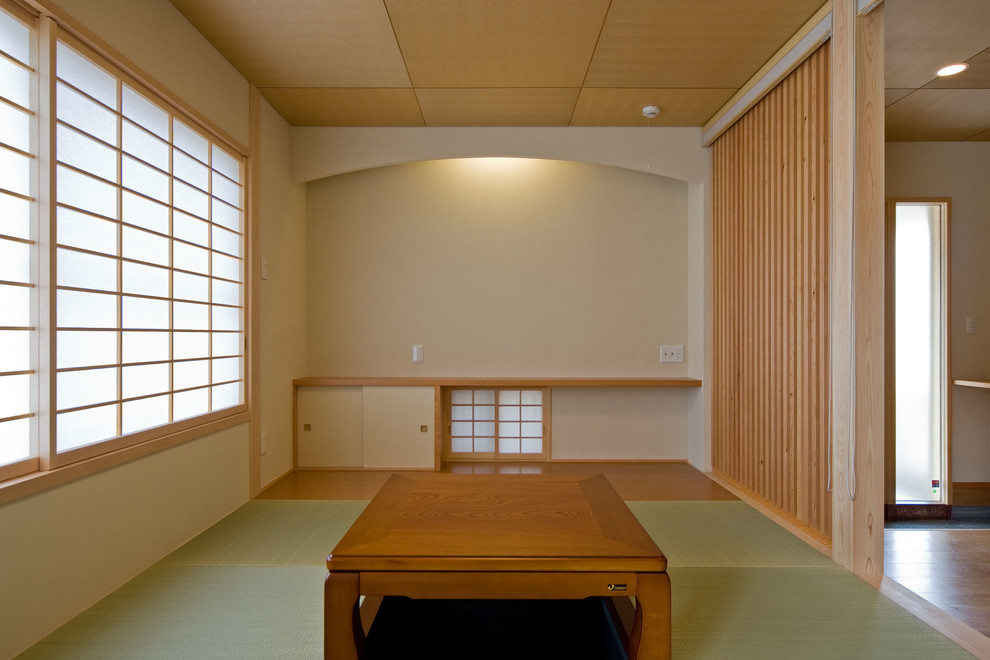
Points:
(272, 533)
(794, 613)
(704, 533)
(191, 612)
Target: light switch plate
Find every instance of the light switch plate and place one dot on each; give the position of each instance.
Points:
(417, 353)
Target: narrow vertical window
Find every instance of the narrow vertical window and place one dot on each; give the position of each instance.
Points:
(18, 248)
(496, 423)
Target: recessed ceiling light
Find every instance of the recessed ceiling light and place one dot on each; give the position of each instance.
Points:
(952, 69)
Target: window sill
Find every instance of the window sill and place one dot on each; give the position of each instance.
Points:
(36, 482)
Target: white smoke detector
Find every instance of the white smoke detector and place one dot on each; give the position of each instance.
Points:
(651, 111)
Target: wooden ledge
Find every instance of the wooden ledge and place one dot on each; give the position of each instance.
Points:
(973, 383)
(438, 381)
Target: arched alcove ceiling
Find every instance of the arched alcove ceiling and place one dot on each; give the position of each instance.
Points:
(675, 153)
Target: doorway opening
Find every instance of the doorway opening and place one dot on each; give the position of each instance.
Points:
(918, 360)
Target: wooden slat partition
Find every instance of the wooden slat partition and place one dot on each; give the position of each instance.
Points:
(771, 262)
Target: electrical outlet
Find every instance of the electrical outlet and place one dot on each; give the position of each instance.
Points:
(672, 353)
(264, 444)
(970, 325)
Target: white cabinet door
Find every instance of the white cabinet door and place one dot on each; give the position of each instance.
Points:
(335, 421)
(393, 421)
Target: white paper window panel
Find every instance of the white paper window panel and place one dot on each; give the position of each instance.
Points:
(486, 445)
(15, 216)
(508, 429)
(190, 200)
(484, 429)
(461, 445)
(461, 429)
(74, 148)
(532, 445)
(460, 413)
(85, 348)
(86, 193)
(15, 305)
(145, 280)
(145, 179)
(86, 271)
(186, 286)
(226, 396)
(15, 261)
(144, 145)
(190, 374)
(226, 190)
(82, 309)
(15, 395)
(190, 141)
(145, 313)
(143, 212)
(226, 215)
(190, 257)
(145, 346)
(461, 397)
(15, 171)
(226, 241)
(144, 414)
(227, 343)
(190, 170)
(86, 115)
(190, 345)
(227, 369)
(227, 267)
(226, 318)
(508, 413)
(84, 388)
(85, 75)
(15, 350)
(531, 413)
(145, 246)
(143, 112)
(484, 397)
(15, 127)
(84, 427)
(88, 232)
(144, 379)
(191, 316)
(190, 229)
(15, 440)
(15, 37)
(508, 397)
(508, 445)
(226, 293)
(226, 164)
(190, 403)
(15, 83)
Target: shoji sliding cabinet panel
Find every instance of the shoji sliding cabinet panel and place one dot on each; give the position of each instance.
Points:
(771, 260)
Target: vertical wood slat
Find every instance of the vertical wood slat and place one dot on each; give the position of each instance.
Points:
(771, 380)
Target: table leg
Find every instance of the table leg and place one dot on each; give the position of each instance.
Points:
(650, 636)
(343, 636)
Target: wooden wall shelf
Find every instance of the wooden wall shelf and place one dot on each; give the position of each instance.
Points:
(428, 381)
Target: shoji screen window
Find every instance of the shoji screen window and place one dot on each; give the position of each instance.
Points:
(499, 423)
(18, 247)
(149, 264)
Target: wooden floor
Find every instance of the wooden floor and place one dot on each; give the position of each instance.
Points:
(948, 568)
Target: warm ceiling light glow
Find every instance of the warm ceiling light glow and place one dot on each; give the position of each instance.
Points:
(952, 69)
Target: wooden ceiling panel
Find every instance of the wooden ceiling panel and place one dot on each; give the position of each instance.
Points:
(922, 36)
(497, 107)
(938, 115)
(977, 76)
(686, 43)
(624, 107)
(345, 107)
(509, 43)
(302, 43)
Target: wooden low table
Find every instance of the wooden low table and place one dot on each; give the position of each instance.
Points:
(554, 536)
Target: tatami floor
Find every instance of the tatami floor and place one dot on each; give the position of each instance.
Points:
(948, 568)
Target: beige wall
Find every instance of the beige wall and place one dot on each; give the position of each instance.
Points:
(958, 170)
(281, 240)
(498, 268)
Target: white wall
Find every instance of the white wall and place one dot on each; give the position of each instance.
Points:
(63, 549)
(958, 170)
